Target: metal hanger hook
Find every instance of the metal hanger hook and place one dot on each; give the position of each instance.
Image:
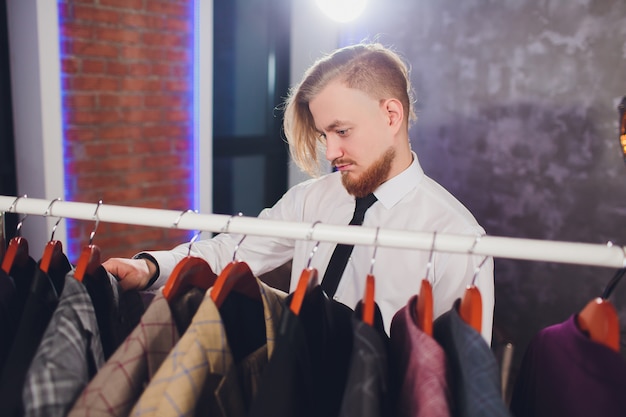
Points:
(476, 240)
(97, 219)
(226, 227)
(375, 249)
(180, 216)
(19, 225)
(431, 254)
(175, 226)
(225, 230)
(191, 242)
(12, 206)
(309, 237)
(477, 269)
(47, 213)
(237, 248)
(471, 252)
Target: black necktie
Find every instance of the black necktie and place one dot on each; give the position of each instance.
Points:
(342, 252)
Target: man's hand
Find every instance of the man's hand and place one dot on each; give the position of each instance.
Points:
(133, 274)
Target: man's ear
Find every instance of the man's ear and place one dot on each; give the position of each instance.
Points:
(394, 112)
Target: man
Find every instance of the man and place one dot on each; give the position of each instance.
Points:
(356, 105)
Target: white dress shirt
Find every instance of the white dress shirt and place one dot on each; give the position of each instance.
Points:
(409, 201)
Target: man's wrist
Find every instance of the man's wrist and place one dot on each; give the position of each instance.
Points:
(153, 266)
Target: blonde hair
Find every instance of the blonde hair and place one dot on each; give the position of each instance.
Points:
(371, 68)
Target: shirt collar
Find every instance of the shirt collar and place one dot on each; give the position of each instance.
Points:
(393, 190)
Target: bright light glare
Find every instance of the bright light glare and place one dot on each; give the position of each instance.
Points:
(342, 10)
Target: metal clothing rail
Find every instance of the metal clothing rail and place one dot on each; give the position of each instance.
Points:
(602, 255)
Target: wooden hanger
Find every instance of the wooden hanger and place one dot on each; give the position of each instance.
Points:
(599, 318)
(308, 279)
(471, 308)
(424, 308)
(189, 272)
(89, 259)
(88, 262)
(17, 250)
(235, 276)
(369, 298)
(53, 255)
(16, 254)
(425, 305)
(369, 303)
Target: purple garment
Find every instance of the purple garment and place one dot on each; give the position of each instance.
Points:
(418, 368)
(564, 373)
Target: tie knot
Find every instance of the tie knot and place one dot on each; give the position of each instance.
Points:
(362, 204)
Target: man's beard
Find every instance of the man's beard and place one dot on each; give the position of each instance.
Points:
(373, 176)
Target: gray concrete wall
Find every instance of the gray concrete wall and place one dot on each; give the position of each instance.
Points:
(517, 117)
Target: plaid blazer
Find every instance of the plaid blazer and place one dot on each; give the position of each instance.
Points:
(69, 355)
(201, 375)
(120, 382)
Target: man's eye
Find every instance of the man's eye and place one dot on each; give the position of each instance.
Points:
(342, 132)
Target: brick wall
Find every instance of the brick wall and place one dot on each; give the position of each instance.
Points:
(127, 80)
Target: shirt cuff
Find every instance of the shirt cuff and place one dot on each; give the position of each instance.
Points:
(153, 278)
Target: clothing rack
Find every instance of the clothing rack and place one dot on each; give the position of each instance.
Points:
(601, 255)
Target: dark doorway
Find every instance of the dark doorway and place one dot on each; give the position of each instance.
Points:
(8, 176)
(251, 78)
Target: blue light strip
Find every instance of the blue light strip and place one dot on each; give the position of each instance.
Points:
(68, 186)
(195, 156)
(194, 191)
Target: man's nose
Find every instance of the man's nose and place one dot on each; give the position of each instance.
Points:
(333, 148)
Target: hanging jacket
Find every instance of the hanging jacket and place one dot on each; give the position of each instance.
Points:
(474, 377)
(564, 373)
